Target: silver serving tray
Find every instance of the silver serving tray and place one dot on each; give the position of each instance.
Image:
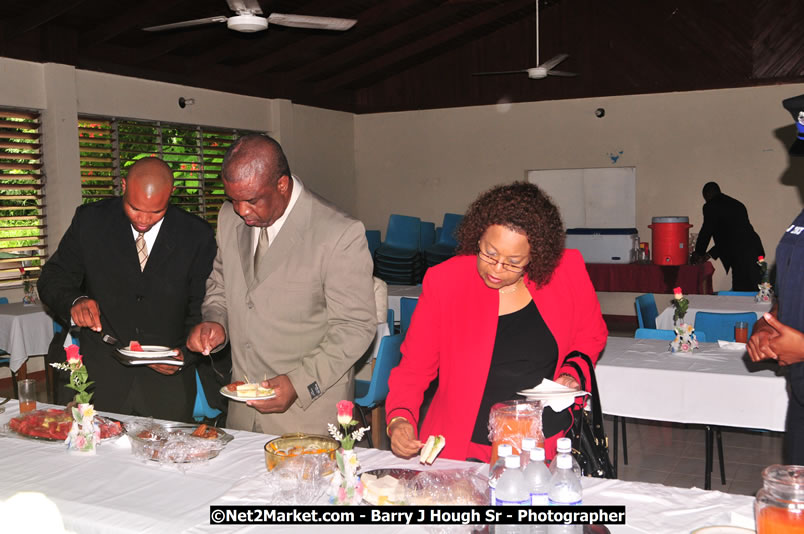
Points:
(138, 443)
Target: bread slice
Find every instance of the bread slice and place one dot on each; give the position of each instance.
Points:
(247, 390)
(431, 449)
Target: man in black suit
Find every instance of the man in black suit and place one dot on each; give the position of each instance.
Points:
(134, 267)
(736, 243)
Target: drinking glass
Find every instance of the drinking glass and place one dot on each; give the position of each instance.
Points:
(741, 332)
(27, 395)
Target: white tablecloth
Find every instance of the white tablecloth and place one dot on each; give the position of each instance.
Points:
(641, 378)
(24, 331)
(114, 492)
(712, 303)
(395, 294)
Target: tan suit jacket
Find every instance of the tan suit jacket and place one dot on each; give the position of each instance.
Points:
(308, 313)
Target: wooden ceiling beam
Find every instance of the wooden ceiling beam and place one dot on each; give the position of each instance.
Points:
(375, 15)
(398, 55)
(128, 20)
(41, 15)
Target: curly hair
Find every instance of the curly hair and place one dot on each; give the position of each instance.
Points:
(523, 208)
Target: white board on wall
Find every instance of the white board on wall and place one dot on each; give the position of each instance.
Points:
(591, 198)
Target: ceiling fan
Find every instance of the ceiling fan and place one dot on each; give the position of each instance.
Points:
(248, 20)
(544, 69)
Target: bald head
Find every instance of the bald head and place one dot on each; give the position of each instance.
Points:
(146, 192)
(255, 155)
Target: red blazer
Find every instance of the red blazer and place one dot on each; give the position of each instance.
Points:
(452, 336)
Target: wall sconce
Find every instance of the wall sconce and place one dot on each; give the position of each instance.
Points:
(184, 102)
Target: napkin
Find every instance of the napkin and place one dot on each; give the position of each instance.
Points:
(730, 345)
(553, 394)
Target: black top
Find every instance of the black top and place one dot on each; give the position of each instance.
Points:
(525, 352)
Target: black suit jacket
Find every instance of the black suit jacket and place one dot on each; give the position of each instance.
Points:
(726, 220)
(97, 257)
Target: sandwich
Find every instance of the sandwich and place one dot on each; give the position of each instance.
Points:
(431, 449)
(253, 390)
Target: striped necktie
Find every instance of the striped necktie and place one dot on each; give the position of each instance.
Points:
(262, 248)
(142, 250)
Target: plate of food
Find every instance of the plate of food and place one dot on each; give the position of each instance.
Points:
(386, 486)
(176, 442)
(135, 350)
(53, 424)
(243, 391)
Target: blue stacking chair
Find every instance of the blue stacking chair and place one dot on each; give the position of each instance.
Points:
(373, 238)
(444, 246)
(427, 235)
(738, 293)
(721, 325)
(406, 307)
(398, 260)
(646, 310)
(202, 410)
(371, 393)
(669, 335)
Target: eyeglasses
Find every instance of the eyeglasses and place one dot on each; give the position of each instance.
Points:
(507, 266)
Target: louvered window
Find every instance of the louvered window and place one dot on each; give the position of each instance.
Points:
(108, 147)
(22, 197)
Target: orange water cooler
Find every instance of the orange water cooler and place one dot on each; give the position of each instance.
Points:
(671, 236)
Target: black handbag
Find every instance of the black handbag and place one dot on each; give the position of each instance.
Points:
(590, 446)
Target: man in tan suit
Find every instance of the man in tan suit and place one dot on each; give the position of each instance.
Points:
(291, 289)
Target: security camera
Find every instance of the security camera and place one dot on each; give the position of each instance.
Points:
(599, 112)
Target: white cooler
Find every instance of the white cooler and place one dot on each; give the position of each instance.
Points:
(603, 245)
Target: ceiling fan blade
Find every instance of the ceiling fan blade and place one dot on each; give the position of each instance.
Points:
(307, 21)
(550, 63)
(185, 24)
(499, 72)
(245, 7)
(561, 73)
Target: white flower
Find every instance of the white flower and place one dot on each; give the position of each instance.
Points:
(357, 435)
(334, 432)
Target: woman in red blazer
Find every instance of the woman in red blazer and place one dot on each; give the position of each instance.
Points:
(501, 315)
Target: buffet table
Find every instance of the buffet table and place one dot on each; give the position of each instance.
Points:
(25, 330)
(712, 303)
(651, 278)
(115, 492)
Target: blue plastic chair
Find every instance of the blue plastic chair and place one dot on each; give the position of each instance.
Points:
(373, 238)
(401, 238)
(406, 307)
(370, 394)
(202, 410)
(669, 335)
(427, 235)
(721, 325)
(445, 243)
(646, 310)
(738, 293)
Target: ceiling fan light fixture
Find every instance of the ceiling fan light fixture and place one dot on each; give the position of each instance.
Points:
(537, 73)
(247, 23)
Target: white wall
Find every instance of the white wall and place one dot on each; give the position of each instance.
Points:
(424, 163)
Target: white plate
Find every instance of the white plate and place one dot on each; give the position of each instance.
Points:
(721, 529)
(149, 361)
(226, 393)
(148, 351)
(534, 394)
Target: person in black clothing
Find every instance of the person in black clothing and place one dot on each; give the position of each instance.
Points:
(735, 242)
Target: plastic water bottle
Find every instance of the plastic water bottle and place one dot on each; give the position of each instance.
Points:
(564, 446)
(511, 488)
(565, 485)
(537, 478)
(528, 444)
(497, 469)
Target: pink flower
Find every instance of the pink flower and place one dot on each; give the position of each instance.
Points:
(341, 494)
(761, 258)
(345, 408)
(677, 293)
(73, 357)
(685, 347)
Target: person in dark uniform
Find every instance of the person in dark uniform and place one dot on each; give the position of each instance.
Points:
(778, 335)
(736, 243)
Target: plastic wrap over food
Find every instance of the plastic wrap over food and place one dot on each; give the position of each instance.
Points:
(444, 487)
(175, 443)
(511, 421)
